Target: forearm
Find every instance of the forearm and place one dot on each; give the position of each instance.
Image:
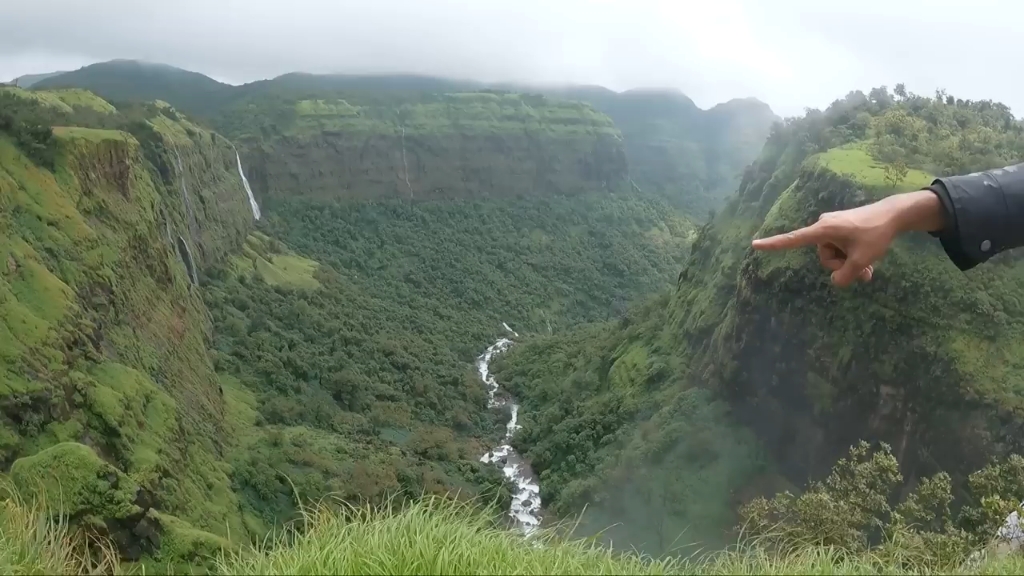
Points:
(920, 211)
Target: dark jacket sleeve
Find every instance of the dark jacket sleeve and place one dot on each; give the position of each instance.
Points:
(984, 214)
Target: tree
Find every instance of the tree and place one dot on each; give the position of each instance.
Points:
(896, 172)
(854, 511)
(901, 91)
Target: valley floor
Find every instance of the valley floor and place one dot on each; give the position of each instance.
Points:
(434, 537)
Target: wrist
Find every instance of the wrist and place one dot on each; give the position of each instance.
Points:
(919, 211)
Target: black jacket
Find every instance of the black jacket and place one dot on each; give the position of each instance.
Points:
(984, 214)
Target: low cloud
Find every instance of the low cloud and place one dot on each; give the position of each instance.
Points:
(789, 53)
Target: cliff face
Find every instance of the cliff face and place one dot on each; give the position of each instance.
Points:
(691, 157)
(104, 372)
(430, 147)
(923, 358)
(461, 138)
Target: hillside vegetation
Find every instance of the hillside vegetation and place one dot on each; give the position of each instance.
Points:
(109, 404)
(922, 359)
(429, 146)
(437, 537)
(194, 382)
(185, 387)
(691, 157)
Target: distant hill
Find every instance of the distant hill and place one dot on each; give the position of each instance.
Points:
(29, 80)
(691, 156)
(675, 149)
(132, 80)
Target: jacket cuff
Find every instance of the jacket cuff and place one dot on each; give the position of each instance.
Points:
(957, 247)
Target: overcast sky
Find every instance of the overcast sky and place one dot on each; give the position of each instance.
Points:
(789, 53)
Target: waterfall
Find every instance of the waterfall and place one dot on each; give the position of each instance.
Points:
(525, 508)
(186, 257)
(245, 182)
(405, 164)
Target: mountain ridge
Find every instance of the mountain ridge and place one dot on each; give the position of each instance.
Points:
(53, 80)
(685, 154)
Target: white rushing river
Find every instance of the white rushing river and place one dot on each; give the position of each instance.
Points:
(525, 509)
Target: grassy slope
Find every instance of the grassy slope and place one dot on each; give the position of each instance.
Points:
(104, 365)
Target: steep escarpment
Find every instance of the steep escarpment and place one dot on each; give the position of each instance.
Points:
(947, 400)
(461, 138)
(427, 147)
(109, 403)
(691, 157)
(923, 358)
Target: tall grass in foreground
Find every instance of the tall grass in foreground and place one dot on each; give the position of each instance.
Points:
(33, 543)
(438, 536)
(433, 537)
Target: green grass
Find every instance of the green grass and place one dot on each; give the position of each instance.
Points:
(47, 98)
(432, 537)
(855, 162)
(275, 264)
(90, 134)
(78, 98)
(65, 100)
(179, 132)
(143, 415)
(32, 543)
(325, 108)
(462, 114)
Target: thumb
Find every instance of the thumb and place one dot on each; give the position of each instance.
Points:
(851, 270)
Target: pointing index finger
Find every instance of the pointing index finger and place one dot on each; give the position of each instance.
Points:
(796, 239)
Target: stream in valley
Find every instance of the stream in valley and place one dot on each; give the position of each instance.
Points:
(525, 508)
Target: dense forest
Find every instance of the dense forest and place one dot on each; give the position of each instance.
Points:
(373, 339)
(182, 375)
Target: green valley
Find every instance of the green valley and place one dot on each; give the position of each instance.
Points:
(193, 383)
(191, 372)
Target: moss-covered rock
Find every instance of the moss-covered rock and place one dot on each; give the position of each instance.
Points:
(72, 482)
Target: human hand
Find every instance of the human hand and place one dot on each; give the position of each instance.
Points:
(851, 241)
